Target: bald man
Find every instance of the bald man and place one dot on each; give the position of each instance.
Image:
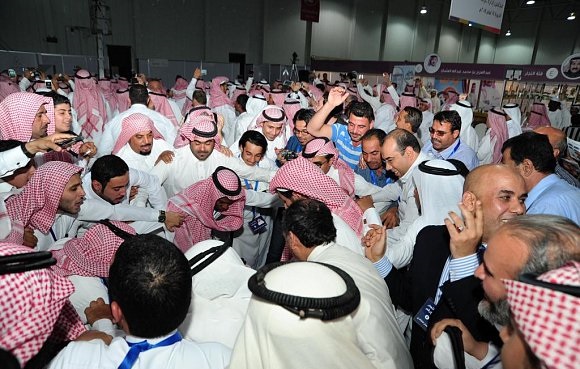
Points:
(439, 282)
(559, 144)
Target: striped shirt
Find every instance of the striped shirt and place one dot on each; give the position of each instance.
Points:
(347, 151)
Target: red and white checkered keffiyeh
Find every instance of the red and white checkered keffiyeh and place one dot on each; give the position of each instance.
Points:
(179, 88)
(7, 87)
(104, 87)
(199, 125)
(90, 255)
(197, 203)
(162, 107)
(217, 96)
(549, 320)
(291, 107)
(539, 116)
(237, 92)
(132, 125)
(407, 99)
(114, 86)
(123, 100)
(272, 114)
(278, 96)
(322, 146)
(17, 113)
(34, 307)
(496, 121)
(37, 204)
(305, 178)
(89, 104)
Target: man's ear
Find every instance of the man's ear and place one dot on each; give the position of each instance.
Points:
(456, 133)
(469, 199)
(526, 168)
(96, 186)
(116, 312)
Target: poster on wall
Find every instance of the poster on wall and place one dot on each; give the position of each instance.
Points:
(432, 63)
(490, 94)
(571, 67)
(403, 75)
(484, 14)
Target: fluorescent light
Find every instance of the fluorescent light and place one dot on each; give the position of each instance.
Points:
(470, 24)
(572, 16)
(530, 2)
(423, 10)
(508, 33)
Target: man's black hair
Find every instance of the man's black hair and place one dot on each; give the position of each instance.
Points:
(449, 116)
(534, 147)
(377, 133)
(414, 117)
(107, 167)
(304, 114)
(310, 221)
(138, 94)
(57, 98)
(200, 97)
(361, 109)
(254, 137)
(242, 100)
(150, 280)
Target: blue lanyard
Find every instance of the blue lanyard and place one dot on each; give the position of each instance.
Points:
(138, 347)
(454, 149)
(249, 187)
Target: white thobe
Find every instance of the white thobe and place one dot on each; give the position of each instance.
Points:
(377, 329)
(186, 169)
(96, 354)
(144, 163)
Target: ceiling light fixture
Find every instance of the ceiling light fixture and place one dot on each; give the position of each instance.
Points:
(470, 24)
(572, 16)
(508, 33)
(423, 10)
(530, 2)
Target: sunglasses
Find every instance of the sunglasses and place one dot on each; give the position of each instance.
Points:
(437, 133)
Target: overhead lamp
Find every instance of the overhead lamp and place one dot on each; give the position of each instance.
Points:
(572, 16)
(423, 10)
(508, 33)
(530, 2)
(470, 24)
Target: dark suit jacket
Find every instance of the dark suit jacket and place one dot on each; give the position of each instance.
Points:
(411, 287)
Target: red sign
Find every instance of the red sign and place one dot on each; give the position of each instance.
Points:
(310, 10)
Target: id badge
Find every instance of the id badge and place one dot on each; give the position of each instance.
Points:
(422, 317)
(258, 225)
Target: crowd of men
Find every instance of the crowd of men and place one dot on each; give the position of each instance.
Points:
(248, 224)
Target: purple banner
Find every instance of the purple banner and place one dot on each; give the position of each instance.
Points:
(539, 73)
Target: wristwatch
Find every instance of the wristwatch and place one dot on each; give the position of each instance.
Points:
(162, 217)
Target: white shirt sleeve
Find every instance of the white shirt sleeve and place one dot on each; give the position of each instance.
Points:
(394, 94)
(11, 160)
(191, 88)
(364, 188)
(262, 199)
(151, 184)
(374, 101)
(390, 192)
(95, 210)
(253, 173)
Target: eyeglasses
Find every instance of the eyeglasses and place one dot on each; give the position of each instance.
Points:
(437, 133)
(304, 131)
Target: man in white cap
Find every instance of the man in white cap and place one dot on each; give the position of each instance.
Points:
(323, 299)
